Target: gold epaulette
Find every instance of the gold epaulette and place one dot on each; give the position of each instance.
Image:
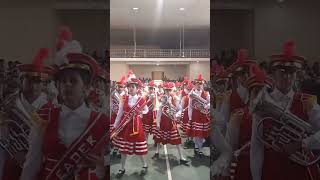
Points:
(227, 94)
(308, 101)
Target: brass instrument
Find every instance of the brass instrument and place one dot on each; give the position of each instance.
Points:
(286, 128)
(168, 108)
(199, 103)
(14, 130)
(115, 102)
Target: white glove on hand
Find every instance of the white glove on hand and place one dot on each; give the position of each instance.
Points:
(220, 166)
(207, 106)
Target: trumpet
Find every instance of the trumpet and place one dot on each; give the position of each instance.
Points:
(286, 128)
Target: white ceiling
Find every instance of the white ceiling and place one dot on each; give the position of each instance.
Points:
(156, 14)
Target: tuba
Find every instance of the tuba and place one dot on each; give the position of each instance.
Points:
(199, 103)
(14, 130)
(281, 127)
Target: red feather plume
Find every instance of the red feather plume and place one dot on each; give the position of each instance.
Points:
(65, 33)
(259, 73)
(288, 49)
(242, 55)
(42, 54)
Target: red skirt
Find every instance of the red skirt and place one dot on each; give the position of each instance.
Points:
(11, 170)
(168, 132)
(242, 171)
(277, 166)
(87, 174)
(185, 119)
(147, 122)
(199, 126)
(132, 143)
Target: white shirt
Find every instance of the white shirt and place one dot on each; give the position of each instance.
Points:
(131, 102)
(257, 147)
(71, 124)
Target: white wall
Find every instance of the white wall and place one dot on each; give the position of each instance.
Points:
(24, 31)
(170, 71)
(89, 27)
(199, 68)
(118, 69)
(274, 25)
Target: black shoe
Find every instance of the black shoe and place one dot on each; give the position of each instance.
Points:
(183, 161)
(155, 156)
(114, 152)
(119, 155)
(144, 171)
(120, 173)
(196, 151)
(200, 154)
(185, 145)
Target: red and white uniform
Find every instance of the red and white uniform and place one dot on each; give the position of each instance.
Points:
(115, 101)
(148, 119)
(9, 170)
(167, 132)
(131, 139)
(64, 127)
(266, 163)
(199, 123)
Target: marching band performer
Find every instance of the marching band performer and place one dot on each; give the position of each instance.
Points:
(116, 96)
(128, 134)
(198, 126)
(185, 105)
(97, 96)
(152, 102)
(265, 162)
(167, 115)
(178, 89)
(219, 83)
(239, 128)
(235, 119)
(21, 107)
(73, 140)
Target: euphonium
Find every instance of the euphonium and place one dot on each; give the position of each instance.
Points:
(168, 108)
(286, 128)
(14, 130)
(199, 103)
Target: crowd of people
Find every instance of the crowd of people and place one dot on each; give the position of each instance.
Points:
(164, 111)
(265, 120)
(54, 123)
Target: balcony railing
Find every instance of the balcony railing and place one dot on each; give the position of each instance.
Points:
(159, 53)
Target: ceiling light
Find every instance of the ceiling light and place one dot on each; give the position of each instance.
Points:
(181, 9)
(135, 8)
(157, 64)
(197, 61)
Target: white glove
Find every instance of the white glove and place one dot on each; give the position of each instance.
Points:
(207, 106)
(220, 166)
(178, 114)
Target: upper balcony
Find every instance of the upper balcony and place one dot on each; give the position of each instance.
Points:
(159, 53)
